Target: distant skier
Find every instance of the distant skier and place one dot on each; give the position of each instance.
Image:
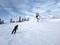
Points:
(37, 17)
(15, 29)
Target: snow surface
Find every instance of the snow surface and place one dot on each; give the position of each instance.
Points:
(45, 32)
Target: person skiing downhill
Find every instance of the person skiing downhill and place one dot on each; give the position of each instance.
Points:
(15, 29)
(37, 17)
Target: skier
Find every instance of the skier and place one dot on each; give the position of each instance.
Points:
(15, 29)
(37, 17)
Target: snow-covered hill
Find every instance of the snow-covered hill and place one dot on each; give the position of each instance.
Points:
(45, 32)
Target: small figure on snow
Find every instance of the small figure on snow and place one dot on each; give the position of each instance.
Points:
(15, 29)
(37, 17)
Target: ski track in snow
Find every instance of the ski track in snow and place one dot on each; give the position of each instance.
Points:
(31, 33)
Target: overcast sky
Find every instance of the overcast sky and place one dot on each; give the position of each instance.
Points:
(15, 8)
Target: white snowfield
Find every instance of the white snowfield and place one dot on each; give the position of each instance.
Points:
(45, 32)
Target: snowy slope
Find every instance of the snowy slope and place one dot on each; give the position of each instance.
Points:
(45, 32)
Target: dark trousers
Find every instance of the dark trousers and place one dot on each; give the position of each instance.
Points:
(14, 31)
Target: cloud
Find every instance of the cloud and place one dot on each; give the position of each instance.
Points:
(15, 8)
